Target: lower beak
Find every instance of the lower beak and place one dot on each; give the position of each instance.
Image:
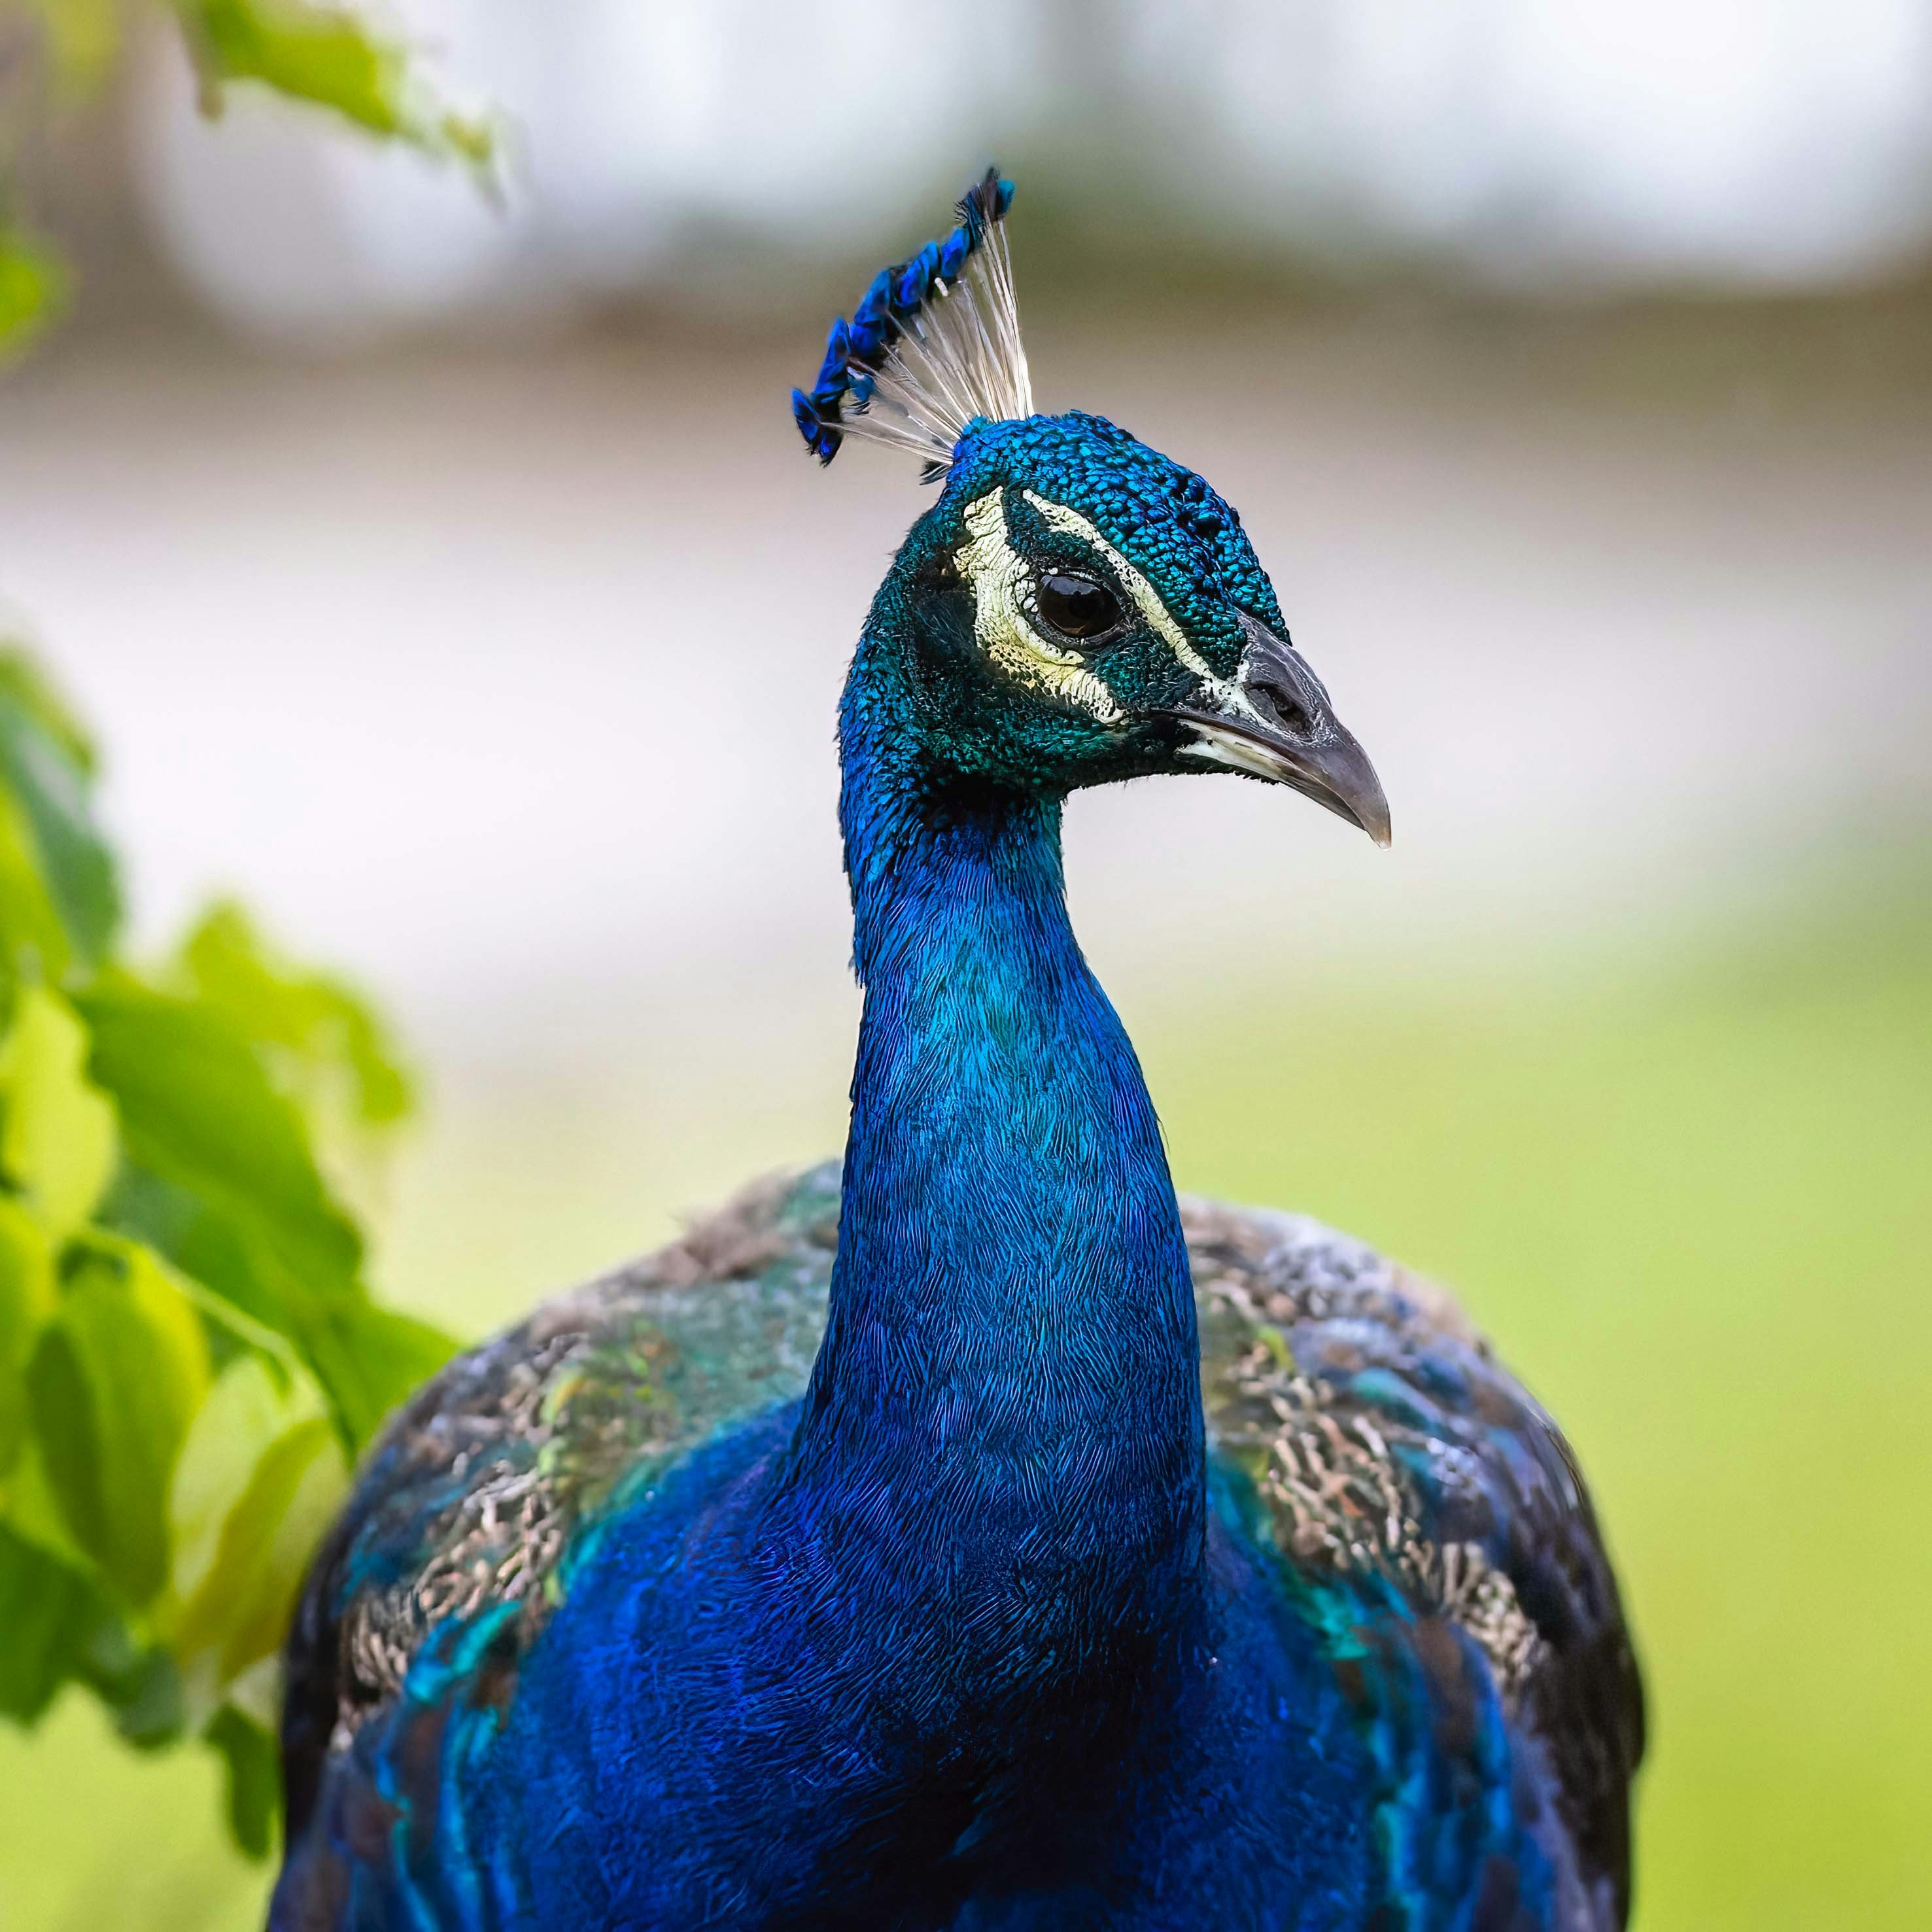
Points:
(1279, 724)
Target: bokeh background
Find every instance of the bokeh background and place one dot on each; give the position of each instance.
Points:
(446, 579)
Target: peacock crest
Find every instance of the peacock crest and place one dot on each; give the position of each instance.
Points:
(933, 346)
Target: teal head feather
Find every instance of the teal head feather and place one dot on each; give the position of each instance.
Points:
(1076, 607)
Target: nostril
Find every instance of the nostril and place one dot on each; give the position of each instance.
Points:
(1289, 709)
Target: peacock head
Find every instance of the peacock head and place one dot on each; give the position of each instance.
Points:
(1076, 607)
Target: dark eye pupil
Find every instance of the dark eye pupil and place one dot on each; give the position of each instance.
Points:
(1077, 605)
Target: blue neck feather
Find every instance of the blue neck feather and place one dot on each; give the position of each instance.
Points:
(1011, 1367)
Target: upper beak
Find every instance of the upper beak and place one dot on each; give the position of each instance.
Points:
(1280, 725)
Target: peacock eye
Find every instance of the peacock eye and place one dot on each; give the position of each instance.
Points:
(1077, 606)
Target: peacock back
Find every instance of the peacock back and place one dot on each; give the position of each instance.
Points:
(1429, 1519)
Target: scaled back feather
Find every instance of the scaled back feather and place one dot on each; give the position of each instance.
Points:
(1405, 1481)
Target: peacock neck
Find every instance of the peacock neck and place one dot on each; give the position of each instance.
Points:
(1010, 1372)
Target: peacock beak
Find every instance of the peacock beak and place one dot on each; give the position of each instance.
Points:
(1277, 722)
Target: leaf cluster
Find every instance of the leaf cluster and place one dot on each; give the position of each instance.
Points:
(190, 1357)
(320, 54)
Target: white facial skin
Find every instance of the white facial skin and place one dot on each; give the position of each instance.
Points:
(1007, 621)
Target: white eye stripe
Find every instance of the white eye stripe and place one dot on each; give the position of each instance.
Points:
(1002, 594)
(1073, 524)
(1227, 696)
(1003, 600)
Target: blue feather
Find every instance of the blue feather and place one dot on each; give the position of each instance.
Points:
(857, 350)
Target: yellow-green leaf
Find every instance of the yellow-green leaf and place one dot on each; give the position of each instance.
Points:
(259, 1478)
(57, 1137)
(222, 1177)
(322, 1031)
(33, 937)
(254, 1767)
(250, 1506)
(250, 1405)
(47, 1613)
(26, 686)
(26, 1304)
(197, 1108)
(115, 1380)
(324, 55)
(33, 1511)
(33, 288)
(46, 769)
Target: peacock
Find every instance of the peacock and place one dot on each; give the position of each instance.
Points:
(969, 1533)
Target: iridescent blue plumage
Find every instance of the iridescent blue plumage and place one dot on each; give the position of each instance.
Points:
(968, 1535)
(960, 288)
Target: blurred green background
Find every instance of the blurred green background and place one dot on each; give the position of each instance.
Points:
(445, 582)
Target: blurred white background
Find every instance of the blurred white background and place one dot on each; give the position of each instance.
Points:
(1527, 143)
(459, 594)
(447, 579)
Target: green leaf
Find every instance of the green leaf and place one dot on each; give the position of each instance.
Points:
(249, 1407)
(26, 686)
(221, 1178)
(45, 769)
(113, 1385)
(258, 1483)
(240, 1264)
(198, 1109)
(377, 1359)
(57, 1135)
(60, 1628)
(27, 1303)
(237, 1264)
(33, 1510)
(254, 1769)
(47, 1610)
(33, 289)
(320, 1029)
(33, 937)
(324, 55)
(142, 1689)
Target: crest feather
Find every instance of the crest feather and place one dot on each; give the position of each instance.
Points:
(933, 344)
